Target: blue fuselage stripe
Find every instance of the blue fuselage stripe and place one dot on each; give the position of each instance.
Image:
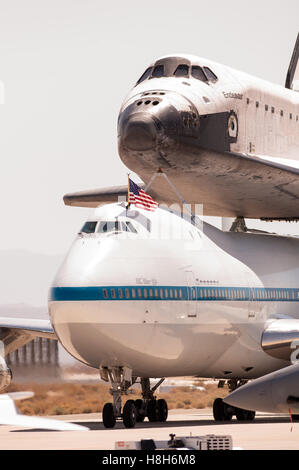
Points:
(174, 293)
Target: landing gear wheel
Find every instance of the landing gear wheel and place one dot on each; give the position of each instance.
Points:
(222, 411)
(140, 414)
(162, 410)
(152, 411)
(129, 414)
(244, 415)
(109, 419)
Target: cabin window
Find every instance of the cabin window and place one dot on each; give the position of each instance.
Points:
(257, 104)
(151, 293)
(210, 75)
(145, 293)
(248, 100)
(281, 112)
(266, 107)
(105, 293)
(156, 293)
(166, 293)
(198, 73)
(158, 71)
(127, 293)
(145, 75)
(291, 116)
(89, 227)
(272, 110)
(175, 293)
(161, 294)
(181, 293)
(134, 293)
(113, 294)
(171, 293)
(182, 70)
(120, 293)
(139, 292)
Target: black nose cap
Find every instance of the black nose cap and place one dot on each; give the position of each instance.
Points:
(139, 132)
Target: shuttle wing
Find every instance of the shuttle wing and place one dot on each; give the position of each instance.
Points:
(96, 197)
(15, 332)
(228, 185)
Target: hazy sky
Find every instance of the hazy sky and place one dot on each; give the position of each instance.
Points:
(68, 64)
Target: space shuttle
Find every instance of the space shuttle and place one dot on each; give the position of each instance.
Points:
(227, 140)
(201, 302)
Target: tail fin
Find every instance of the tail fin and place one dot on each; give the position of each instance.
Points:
(292, 80)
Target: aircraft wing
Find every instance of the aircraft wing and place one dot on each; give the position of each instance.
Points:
(229, 185)
(10, 415)
(15, 332)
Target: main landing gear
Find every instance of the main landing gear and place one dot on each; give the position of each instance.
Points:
(225, 412)
(134, 411)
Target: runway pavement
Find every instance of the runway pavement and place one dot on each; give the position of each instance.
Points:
(266, 432)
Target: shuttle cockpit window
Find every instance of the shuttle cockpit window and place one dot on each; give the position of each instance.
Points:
(145, 75)
(88, 227)
(158, 71)
(197, 72)
(210, 75)
(182, 70)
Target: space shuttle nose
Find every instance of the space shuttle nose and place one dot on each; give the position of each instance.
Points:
(139, 132)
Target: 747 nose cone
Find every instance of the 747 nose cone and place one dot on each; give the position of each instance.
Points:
(139, 132)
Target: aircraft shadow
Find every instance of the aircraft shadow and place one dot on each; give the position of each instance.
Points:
(98, 426)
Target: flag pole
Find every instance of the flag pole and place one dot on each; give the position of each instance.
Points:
(128, 194)
(160, 172)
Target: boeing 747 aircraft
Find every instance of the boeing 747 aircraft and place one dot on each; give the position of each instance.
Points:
(145, 295)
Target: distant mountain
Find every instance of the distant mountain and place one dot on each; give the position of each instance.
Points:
(25, 279)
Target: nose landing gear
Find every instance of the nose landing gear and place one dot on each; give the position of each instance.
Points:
(134, 410)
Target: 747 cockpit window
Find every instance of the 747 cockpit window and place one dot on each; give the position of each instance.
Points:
(115, 226)
(129, 227)
(89, 227)
(109, 226)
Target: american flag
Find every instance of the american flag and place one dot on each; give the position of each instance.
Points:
(140, 198)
